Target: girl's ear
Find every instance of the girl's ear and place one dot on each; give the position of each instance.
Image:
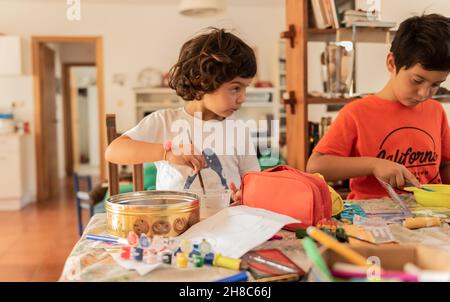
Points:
(390, 63)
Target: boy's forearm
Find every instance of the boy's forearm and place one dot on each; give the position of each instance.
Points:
(335, 168)
(445, 173)
(126, 151)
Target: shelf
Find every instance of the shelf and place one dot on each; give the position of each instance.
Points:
(158, 105)
(260, 90)
(262, 139)
(363, 34)
(312, 100)
(159, 90)
(257, 105)
(167, 90)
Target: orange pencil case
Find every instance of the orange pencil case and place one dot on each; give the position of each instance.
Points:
(288, 191)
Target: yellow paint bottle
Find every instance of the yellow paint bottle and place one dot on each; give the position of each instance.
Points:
(227, 262)
(182, 260)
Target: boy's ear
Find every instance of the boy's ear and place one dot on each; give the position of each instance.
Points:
(390, 63)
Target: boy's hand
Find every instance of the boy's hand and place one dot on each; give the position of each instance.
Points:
(196, 162)
(236, 195)
(393, 173)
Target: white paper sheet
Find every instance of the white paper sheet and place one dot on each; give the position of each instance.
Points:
(235, 230)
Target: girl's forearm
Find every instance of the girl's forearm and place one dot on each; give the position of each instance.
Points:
(126, 151)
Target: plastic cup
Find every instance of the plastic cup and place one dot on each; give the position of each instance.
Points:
(213, 201)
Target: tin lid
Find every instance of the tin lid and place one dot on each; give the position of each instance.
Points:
(153, 199)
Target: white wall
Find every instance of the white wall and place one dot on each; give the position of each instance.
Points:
(398, 10)
(138, 35)
(19, 89)
(371, 73)
(142, 34)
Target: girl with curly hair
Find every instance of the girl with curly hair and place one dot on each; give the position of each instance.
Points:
(211, 75)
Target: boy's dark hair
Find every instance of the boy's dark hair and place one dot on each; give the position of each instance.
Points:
(423, 40)
(209, 60)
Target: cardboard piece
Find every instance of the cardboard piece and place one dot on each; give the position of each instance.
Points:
(394, 257)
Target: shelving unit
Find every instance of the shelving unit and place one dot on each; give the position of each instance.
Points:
(297, 98)
(358, 34)
(281, 84)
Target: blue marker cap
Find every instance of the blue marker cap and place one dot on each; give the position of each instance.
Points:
(239, 277)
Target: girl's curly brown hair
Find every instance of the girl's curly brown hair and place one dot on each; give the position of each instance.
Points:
(209, 60)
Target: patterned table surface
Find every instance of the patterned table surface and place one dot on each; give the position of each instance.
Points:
(90, 261)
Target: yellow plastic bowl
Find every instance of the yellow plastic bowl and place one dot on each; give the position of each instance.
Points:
(440, 198)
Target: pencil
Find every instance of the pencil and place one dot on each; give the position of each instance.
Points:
(287, 277)
(273, 264)
(316, 259)
(338, 247)
(108, 239)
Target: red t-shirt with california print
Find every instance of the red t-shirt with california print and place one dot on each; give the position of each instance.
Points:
(417, 137)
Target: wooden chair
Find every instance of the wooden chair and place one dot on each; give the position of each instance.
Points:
(113, 169)
(82, 198)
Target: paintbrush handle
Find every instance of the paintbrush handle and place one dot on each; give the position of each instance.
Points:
(201, 182)
(199, 174)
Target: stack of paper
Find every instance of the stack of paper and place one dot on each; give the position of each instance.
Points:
(235, 230)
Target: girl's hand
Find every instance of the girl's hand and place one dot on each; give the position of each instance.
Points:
(393, 173)
(236, 195)
(196, 162)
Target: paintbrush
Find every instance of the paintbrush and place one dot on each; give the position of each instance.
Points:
(201, 182)
(198, 173)
(408, 184)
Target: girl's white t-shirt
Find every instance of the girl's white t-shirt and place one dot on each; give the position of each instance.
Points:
(228, 139)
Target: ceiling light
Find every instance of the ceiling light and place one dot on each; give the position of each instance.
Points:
(201, 8)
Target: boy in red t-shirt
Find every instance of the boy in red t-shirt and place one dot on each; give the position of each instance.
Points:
(399, 134)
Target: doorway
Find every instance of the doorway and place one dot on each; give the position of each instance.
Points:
(81, 122)
(64, 143)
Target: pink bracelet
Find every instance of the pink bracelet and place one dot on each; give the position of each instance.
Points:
(167, 147)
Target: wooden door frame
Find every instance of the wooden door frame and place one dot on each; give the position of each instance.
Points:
(36, 41)
(67, 109)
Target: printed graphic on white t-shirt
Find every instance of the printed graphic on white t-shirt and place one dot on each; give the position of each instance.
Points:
(167, 124)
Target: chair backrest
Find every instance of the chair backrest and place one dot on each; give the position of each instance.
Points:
(82, 197)
(113, 169)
